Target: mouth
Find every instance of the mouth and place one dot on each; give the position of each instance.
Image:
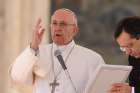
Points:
(58, 35)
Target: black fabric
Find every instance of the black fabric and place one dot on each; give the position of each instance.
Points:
(135, 62)
(137, 89)
(134, 77)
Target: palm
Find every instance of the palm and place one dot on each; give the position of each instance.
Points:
(37, 35)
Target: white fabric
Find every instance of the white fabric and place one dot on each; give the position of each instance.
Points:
(133, 90)
(81, 64)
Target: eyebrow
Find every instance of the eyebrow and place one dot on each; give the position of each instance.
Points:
(59, 21)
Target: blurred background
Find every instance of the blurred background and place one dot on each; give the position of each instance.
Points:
(97, 21)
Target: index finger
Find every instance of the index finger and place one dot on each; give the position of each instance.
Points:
(119, 84)
(38, 22)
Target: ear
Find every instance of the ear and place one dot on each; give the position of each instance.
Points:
(76, 29)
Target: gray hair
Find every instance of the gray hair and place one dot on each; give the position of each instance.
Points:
(68, 10)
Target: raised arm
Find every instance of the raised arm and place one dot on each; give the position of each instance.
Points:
(21, 71)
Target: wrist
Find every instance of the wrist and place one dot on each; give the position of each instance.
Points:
(34, 50)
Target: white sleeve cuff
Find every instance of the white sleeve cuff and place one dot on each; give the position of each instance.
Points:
(36, 53)
(133, 90)
(21, 69)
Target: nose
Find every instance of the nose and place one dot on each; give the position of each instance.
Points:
(57, 28)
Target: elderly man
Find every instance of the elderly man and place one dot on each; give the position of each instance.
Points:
(39, 66)
(127, 36)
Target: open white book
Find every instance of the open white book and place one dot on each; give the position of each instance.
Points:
(106, 75)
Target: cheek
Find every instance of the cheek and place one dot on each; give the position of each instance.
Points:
(137, 50)
(136, 47)
(70, 37)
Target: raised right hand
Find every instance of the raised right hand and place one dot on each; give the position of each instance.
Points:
(37, 35)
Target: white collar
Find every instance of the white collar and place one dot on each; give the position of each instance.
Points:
(63, 48)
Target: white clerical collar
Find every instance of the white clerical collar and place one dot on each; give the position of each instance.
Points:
(62, 48)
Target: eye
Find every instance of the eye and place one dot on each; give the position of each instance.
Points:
(63, 24)
(54, 23)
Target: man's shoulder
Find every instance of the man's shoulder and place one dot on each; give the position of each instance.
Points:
(87, 51)
(89, 55)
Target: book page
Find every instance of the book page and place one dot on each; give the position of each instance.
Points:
(107, 75)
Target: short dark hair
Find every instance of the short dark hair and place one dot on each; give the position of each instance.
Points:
(131, 25)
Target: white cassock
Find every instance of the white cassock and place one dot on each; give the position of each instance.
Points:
(81, 64)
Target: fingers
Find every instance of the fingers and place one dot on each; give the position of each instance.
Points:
(119, 88)
(37, 34)
(38, 21)
(41, 32)
(39, 28)
(114, 89)
(120, 84)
